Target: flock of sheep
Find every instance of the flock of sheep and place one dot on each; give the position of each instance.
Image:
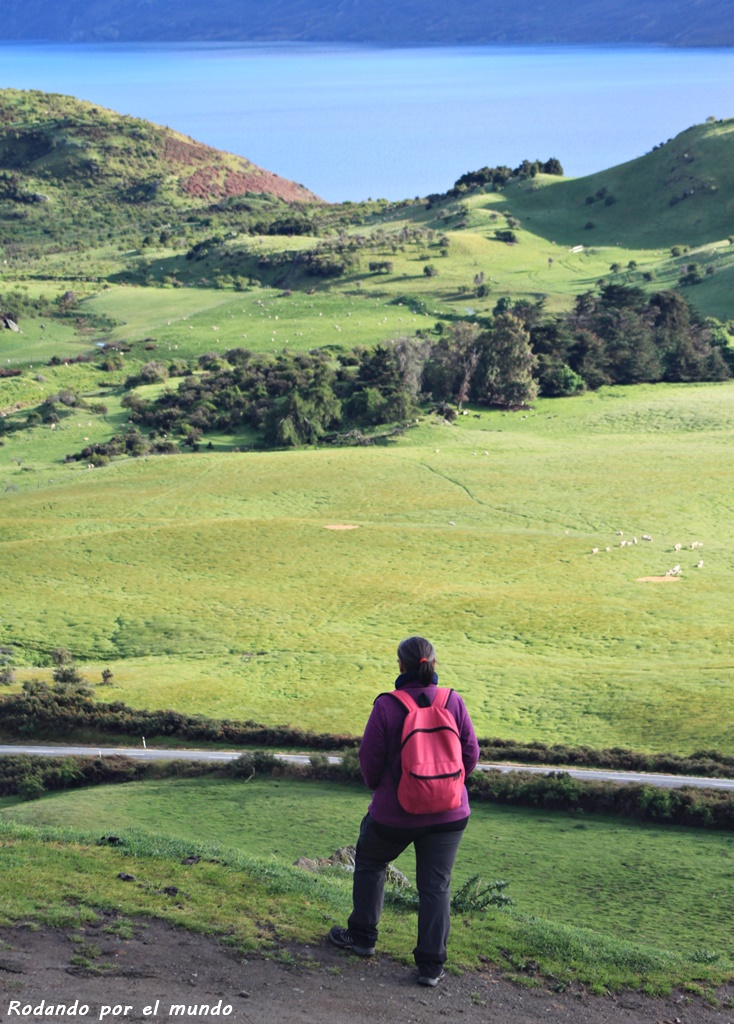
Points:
(676, 570)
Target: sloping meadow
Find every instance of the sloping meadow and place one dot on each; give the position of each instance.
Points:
(209, 582)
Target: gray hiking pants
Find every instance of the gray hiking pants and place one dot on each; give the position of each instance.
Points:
(435, 852)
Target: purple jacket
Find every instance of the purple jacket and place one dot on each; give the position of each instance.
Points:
(379, 756)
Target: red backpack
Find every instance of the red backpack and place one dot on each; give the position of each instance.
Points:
(432, 778)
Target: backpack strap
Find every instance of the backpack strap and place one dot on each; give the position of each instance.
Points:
(443, 695)
(405, 699)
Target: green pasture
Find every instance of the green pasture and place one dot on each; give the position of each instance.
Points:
(208, 582)
(667, 887)
(186, 323)
(64, 877)
(39, 341)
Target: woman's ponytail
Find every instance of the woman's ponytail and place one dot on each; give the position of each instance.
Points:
(418, 657)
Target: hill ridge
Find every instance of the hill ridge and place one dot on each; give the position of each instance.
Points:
(668, 22)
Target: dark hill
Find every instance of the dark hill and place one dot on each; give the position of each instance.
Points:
(670, 22)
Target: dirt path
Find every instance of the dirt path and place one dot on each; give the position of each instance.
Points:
(321, 986)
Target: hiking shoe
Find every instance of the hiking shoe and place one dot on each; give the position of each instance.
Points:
(430, 974)
(341, 937)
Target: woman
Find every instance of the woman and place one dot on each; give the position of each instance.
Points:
(388, 828)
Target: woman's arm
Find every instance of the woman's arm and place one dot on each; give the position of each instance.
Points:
(373, 749)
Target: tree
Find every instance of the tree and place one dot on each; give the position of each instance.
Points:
(558, 380)
(505, 376)
(430, 271)
(465, 340)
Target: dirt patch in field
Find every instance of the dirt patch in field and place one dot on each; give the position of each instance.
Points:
(341, 526)
(657, 579)
(319, 985)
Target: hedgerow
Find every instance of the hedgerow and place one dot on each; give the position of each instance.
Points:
(44, 711)
(30, 776)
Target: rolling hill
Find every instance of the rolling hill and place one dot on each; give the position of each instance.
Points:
(680, 192)
(54, 138)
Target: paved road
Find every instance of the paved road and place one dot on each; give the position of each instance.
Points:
(151, 754)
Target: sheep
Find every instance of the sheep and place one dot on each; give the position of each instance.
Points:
(646, 536)
(595, 551)
(700, 565)
(677, 547)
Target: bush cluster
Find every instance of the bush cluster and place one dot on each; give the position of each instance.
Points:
(702, 808)
(499, 176)
(29, 776)
(293, 398)
(709, 763)
(132, 442)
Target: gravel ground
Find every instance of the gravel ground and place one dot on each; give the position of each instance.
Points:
(140, 978)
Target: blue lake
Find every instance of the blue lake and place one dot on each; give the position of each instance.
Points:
(354, 121)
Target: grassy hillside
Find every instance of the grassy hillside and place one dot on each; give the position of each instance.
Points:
(611, 876)
(681, 193)
(55, 137)
(208, 582)
(74, 175)
(63, 877)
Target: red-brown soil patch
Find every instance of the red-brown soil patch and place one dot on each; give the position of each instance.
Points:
(219, 175)
(178, 151)
(212, 182)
